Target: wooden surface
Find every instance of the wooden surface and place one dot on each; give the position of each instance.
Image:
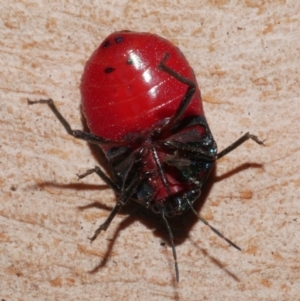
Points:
(246, 56)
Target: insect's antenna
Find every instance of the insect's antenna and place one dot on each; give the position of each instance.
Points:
(172, 244)
(212, 228)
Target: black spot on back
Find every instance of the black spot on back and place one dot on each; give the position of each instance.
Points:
(109, 70)
(119, 39)
(106, 44)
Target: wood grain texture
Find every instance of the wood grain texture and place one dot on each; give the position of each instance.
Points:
(246, 56)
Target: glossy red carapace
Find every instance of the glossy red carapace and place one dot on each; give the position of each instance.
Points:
(123, 90)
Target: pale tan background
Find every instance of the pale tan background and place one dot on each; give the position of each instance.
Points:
(246, 56)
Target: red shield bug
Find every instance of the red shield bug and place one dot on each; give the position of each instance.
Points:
(143, 107)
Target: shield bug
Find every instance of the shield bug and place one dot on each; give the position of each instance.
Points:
(143, 107)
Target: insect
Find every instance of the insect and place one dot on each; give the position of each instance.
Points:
(143, 107)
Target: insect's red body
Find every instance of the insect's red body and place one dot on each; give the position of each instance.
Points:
(143, 107)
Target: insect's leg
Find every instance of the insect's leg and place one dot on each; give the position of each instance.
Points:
(212, 228)
(97, 170)
(184, 103)
(75, 133)
(171, 237)
(123, 199)
(237, 143)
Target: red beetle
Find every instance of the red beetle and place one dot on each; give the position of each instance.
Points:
(143, 108)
